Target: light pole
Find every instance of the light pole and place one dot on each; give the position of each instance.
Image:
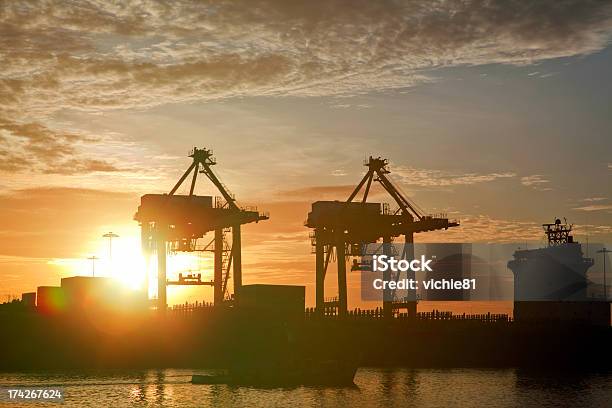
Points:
(604, 251)
(110, 236)
(93, 265)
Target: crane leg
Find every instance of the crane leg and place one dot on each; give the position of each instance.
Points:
(342, 291)
(146, 252)
(411, 295)
(320, 277)
(161, 274)
(218, 267)
(237, 253)
(387, 296)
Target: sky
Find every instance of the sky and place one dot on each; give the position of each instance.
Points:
(495, 112)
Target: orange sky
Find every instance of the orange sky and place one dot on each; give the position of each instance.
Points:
(497, 115)
(61, 227)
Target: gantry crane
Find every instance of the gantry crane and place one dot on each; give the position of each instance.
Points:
(347, 226)
(172, 222)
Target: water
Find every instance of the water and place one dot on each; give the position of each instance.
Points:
(373, 387)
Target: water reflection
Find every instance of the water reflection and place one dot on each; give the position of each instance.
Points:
(139, 393)
(574, 388)
(374, 387)
(159, 387)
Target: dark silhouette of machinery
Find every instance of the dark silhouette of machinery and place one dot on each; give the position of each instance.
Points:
(172, 222)
(558, 233)
(550, 283)
(347, 226)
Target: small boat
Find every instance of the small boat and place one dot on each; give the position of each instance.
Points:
(211, 379)
(322, 373)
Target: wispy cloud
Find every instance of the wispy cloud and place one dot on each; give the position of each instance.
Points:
(438, 178)
(594, 207)
(93, 55)
(536, 181)
(33, 146)
(485, 228)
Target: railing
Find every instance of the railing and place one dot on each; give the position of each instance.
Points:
(253, 208)
(484, 317)
(386, 209)
(189, 308)
(438, 215)
(435, 315)
(220, 202)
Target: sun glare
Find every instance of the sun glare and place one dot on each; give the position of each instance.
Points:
(128, 264)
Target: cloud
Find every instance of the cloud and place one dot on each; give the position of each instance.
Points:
(485, 228)
(348, 105)
(32, 146)
(79, 166)
(438, 178)
(536, 181)
(93, 55)
(594, 207)
(594, 204)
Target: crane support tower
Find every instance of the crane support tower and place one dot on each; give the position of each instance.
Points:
(344, 227)
(173, 222)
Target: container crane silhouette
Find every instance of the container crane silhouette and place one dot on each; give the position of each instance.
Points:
(172, 222)
(344, 227)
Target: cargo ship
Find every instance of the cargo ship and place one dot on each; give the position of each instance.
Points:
(550, 283)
